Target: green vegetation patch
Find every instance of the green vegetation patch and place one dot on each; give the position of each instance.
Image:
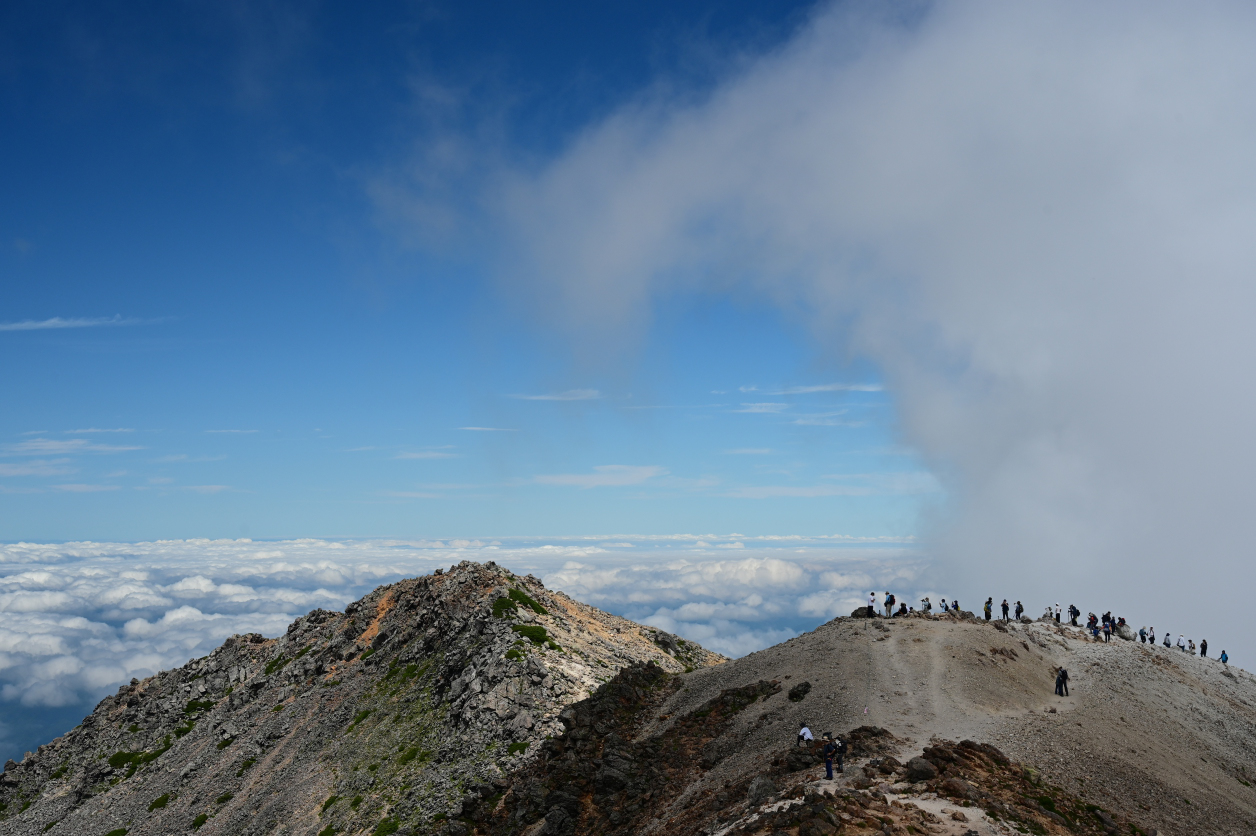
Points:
(359, 717)
(534, 633)
(502, 606)
(368, 654)
(197, 706)
(159, 802)
(276, 664)
(121, 831)
(302, 652)
(182, 730)
(245, 766)
(199, 821)
(516, 653)
(327, 831)
(525, 599)
(357, 800)
(387, 827)
(223, 744)
(279, 707)
(331, 799)
(414, 753)
(60, 771)
(224, 798)
(516, 748)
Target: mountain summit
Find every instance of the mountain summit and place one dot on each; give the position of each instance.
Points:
(374, 718)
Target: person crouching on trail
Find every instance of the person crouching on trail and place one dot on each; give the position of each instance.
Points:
(988, 607)
(830, 752)
(804, 735)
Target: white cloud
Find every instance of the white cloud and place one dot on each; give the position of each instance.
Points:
(57, 322)
(796, 491)
(59, 446)
(54, 467)
(81, 488)
(569, 395)
(91, 430)
(810, 390)
(234, 432)
(763, 408)
(603, 476)
(426, 454)
(1033, 218)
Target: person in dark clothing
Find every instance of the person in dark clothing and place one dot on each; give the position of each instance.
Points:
(1005, 608)
(1225, 658)
(1073, 614)
(955, 606)
(830, 752)
(1167, 643)
(1064, 681)
(989, 607)
(1142, 634)
(902, 610)
(1020, 610)
(1107, 632)
(1203, 648)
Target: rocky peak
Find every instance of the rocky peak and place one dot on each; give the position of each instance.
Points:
(383, 718)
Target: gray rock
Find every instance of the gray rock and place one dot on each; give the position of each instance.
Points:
(760, 790)
(919, 769)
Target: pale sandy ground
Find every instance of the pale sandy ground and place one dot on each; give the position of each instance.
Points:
(1163, 736)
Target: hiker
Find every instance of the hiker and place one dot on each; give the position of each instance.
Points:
(830, 750)
(1061, 683)
(1225, 658)
(1107, 632)
(928, 605)
(1142, 634)
(1167, 643)
(1203, 648)
(1191, 647)
(989, 605)
(945, 608)
(1181, 643)
(1020, 610)
(1057, 613)
(902, 610)
(872, 604)
(955, 607)
(839, 746)
(889, 605)
(1005, 610)
(1151, 636)
(804, 734)
(1073, 614)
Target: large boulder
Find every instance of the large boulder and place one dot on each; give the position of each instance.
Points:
(864, 612)
(760, 790)
(1125, 632)
(919, 769)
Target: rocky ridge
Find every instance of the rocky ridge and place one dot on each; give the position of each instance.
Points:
(382, 719)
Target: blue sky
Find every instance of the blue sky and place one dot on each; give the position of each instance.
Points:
(214, 326)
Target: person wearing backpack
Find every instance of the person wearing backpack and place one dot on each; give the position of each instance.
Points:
(1225, 658)
(988, 607)
(1005, 610)
(889, 605)
(1020, 610)
(1142, 634)
(1073, 614)
(830, 751)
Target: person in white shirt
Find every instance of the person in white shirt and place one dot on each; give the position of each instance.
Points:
(1057, 613)
(804, 734)
(1181, 643)
(872, 603)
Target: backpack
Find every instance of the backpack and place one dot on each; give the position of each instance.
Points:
(893, 601)
(841, 747)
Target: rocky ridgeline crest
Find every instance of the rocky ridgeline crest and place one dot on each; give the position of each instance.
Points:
(388, 718)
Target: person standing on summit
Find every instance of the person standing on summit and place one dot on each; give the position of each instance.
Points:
(889, 605)
(1181, 642)
(872, 604)
(1005, 608)
(989, 607)
(1203, 648)
(1020, 610)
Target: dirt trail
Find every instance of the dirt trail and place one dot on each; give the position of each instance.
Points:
(1168, 738)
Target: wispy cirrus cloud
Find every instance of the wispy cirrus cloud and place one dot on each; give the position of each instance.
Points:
(604, 476)
(184, 458)
(489, 429)
(749, 451)
(811, 390)
(58, 322)
(56, 446)
(80, 488)
(569, 395)
(763, 408)
(92, 430)
(55, 467)
(233, 432)
(796, 491)
(426, 454)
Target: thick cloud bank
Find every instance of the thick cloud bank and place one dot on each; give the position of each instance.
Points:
(80, 619)
(1038, 219)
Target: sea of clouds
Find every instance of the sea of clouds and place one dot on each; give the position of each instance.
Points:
(80, 619)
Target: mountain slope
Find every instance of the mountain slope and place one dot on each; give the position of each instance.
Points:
(376, 719)
(1150, 740)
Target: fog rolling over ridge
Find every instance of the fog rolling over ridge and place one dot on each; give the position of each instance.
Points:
(1038, 221)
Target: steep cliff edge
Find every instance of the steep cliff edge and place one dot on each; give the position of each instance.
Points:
(377, 720)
